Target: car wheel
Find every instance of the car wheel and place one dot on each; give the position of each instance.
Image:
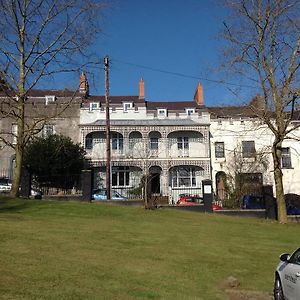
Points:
(278, 292)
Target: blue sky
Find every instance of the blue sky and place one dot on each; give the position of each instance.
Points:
(178, 36)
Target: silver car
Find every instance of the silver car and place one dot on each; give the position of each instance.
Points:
(5, 184)
(287, 277)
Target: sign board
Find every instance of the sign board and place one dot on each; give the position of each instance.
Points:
(207, 189)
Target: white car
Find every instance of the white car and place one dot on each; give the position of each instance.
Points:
(287, 277)
(5, 184)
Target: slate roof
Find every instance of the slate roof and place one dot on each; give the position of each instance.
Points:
(43, 93)
(114, 99)
(232, 111)
(172, 105)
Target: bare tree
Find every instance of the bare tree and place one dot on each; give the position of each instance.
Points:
(263, 45)
(139, 148)
(39, 39)
(240, 170)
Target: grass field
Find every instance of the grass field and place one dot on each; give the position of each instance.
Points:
(71, 250)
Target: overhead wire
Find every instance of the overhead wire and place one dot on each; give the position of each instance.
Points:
(183, 75)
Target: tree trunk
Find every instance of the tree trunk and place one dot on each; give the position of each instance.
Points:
(281, 207)
(17, 170)
(17, 174)
(21, 97)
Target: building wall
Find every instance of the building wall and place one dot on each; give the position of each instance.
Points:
(136, 126)
(63, 114)
(233, 131)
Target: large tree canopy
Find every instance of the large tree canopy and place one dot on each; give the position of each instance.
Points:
(54, 161)
(38, 39)
(264, 46)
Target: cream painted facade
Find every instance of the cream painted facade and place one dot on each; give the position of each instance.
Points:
(232, 132)
(176, 142)
(172, 144)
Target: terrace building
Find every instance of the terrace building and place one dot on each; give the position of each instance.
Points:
(169, 140)
(46, 112)
(179, 143)
(241, 153)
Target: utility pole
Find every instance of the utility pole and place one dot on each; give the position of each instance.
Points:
(108, 155)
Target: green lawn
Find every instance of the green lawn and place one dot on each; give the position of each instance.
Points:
(71, 250)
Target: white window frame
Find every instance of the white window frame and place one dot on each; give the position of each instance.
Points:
(117, 141)
(248, 149)
(154, 143)
(120, 175)
(49, 98)
(183, 143)
(183, 146)
(94, 105)
(286, 159)
(219, 149)
(46, 132)
(14, 132)
(127, 106)
(178, 179)
(161, 112)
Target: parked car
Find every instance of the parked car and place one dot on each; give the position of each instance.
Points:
(5, 184)
(216, 206)
(287, 277)
(253, 202)
(194, 200)
(36, 193)
(101, 194)
(292, 204)
(189, 200)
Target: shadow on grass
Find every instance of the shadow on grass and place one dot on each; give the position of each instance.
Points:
(10, 206)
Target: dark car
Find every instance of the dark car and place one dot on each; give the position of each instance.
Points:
(253, 202)
(292, 204)
(292, 210)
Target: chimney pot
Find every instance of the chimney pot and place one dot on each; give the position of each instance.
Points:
(141, 89)
(83, 84)
(198, 96)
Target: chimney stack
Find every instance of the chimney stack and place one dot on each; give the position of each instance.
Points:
(198, 97)
(83, 85)
(141, 89)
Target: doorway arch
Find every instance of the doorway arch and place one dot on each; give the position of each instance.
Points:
(221, 192)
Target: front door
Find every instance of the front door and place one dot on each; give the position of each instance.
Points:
(155, 183)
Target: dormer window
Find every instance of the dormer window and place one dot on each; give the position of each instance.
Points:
(161, 112)
(48, 130)
(190, 111)
(94, 105)
(49, 99)
(127, 106)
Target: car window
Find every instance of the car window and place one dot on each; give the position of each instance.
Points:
(295, 258)
(199, 200)
(189, 200)
(255, 200)
(100, 192)
(4, 181)
(194, 199)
